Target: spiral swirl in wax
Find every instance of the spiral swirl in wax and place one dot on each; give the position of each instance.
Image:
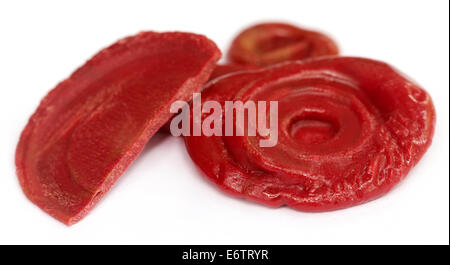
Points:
(349, 129)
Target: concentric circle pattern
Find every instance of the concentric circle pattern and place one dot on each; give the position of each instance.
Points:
(349, 129)
(270, 43)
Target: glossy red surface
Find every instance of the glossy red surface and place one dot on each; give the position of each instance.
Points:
(89, 128)
(270, 43)
(349, 129)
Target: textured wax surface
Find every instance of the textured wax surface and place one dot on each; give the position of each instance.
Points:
(271, 43)
(89, 129)
(349, 130)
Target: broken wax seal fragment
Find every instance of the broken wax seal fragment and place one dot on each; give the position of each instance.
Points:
(349, 129)
(270, 43)
(88, 129)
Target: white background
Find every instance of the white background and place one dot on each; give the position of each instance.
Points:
(162, 198)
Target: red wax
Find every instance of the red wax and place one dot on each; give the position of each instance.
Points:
(89, 128)
(349, 129)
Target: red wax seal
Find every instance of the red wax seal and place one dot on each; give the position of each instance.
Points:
(271, 43)
(89, 128)
(349, 129)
